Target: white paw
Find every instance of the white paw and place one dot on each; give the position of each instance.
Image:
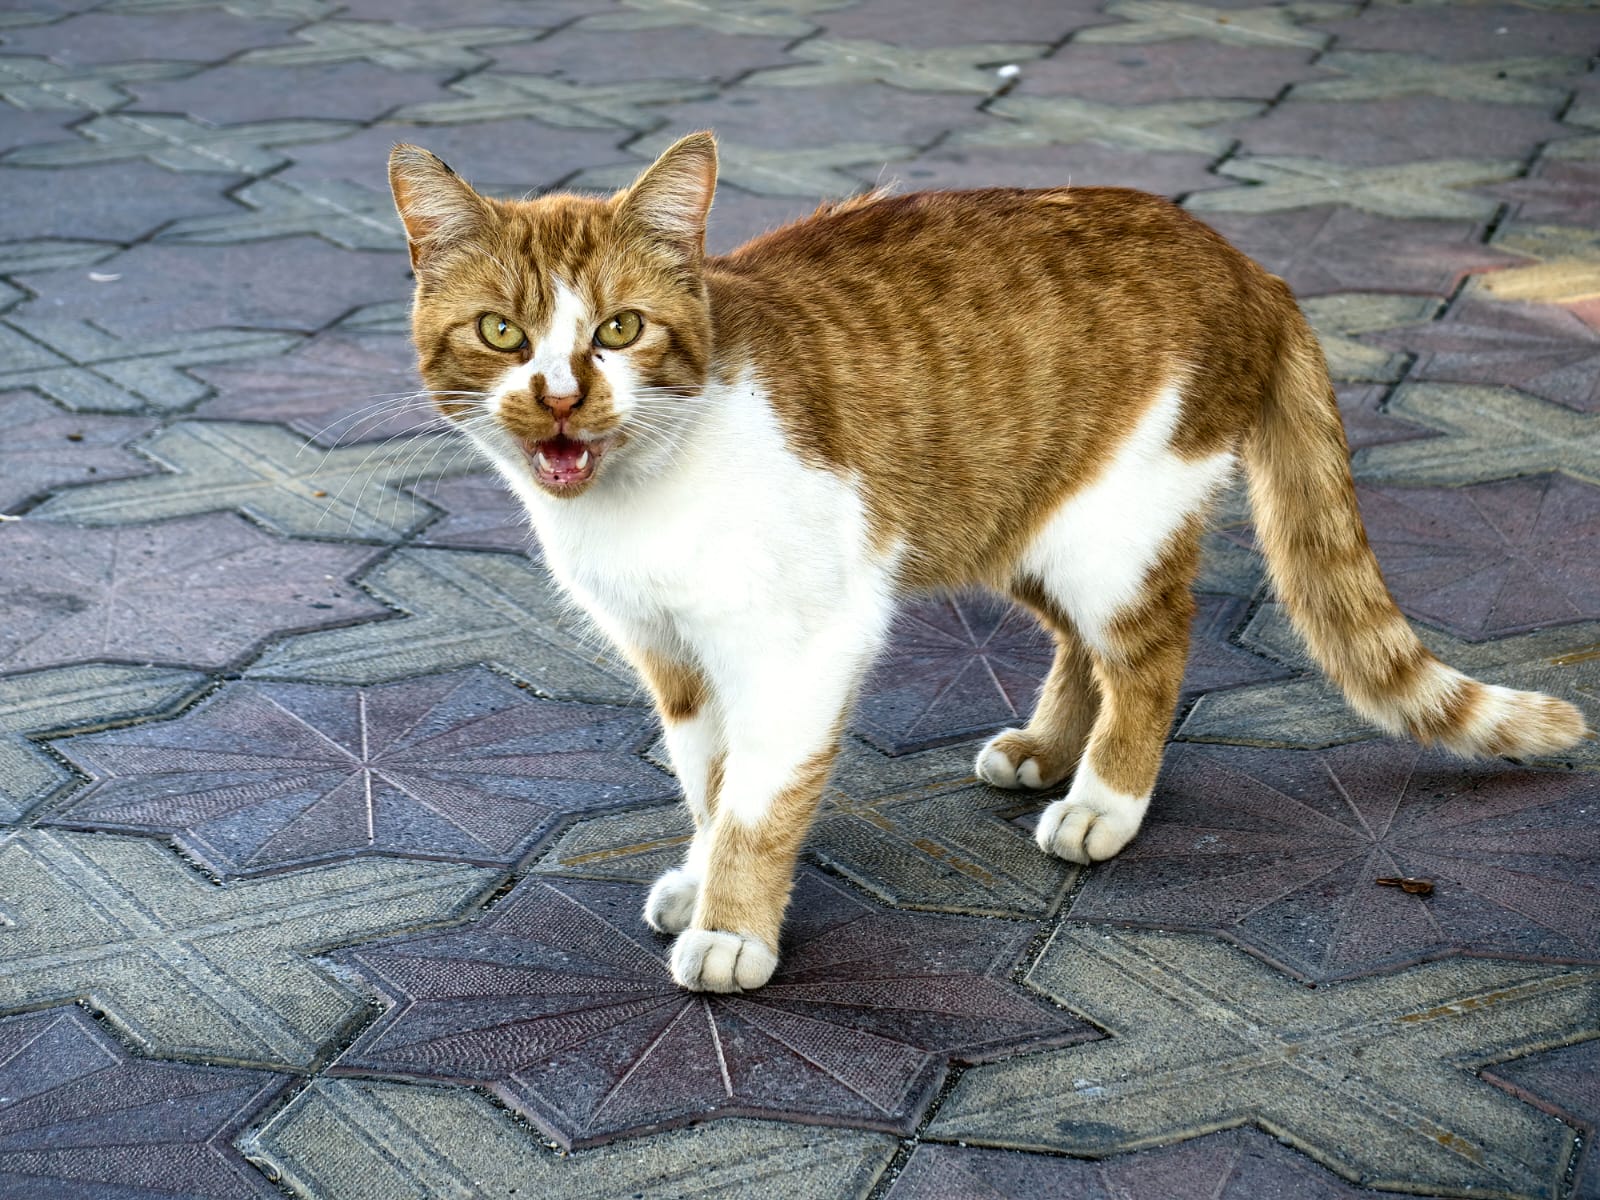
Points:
(711, 960)
(671, 901)
(995, 767)
(1092, 823)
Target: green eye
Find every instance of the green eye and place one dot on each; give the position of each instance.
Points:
(500, 333)
(621, 330)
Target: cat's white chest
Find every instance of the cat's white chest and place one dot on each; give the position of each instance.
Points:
(738, 531)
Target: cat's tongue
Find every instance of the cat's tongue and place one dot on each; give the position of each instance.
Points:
(562, 461)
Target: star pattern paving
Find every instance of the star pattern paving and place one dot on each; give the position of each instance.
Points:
(236, 544)
(463, 766)
(202, 590)
(79, 1116)
(1279, 850)
(1492, 559)
(559, 1000)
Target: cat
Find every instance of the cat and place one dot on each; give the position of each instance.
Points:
(737, 465)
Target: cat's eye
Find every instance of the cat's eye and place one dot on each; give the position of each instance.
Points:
(621, 330)
(500, 333)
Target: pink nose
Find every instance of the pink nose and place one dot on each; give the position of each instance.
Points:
(561, 406)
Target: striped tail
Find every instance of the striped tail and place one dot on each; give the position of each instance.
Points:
(1327, 576)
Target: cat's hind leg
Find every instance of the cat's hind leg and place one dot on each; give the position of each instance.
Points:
(1047, 750)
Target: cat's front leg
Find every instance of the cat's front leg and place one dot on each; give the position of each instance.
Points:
(783, 721)
(691, 723)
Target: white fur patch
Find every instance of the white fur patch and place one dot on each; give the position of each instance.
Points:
(563, 335)
(1093, 822)
(732, 551)
(1094, 553)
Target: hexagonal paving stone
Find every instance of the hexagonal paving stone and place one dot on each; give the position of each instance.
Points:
(1324, 249)
(1087, 164)
(1492, 559)
(236, 92)
(479, 514)
(464, 767)
(119, 203)
(1539, 348)
(559, 1000)
(1279, 850)
(1404, 129)
(362, 1140)
(1238, 1164)
(81, 1117)
(288, 283)
(339, 388)
(590, 56)
(183, 967)
(45, 448)
(958, 666)
(1165, 71)
(203, 35)
(202, 591)
(1567, 1082)
(1372, 1077)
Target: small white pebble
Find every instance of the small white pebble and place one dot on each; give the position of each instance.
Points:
(103, 277)
(1009, 71)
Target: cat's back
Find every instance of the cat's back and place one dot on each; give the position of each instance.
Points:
(941, 346)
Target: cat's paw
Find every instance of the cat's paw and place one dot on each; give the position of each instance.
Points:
(670, 904)
(1011, 760)
(1085, 830)
(713, 960)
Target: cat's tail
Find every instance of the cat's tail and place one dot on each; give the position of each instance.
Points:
(1326, 574)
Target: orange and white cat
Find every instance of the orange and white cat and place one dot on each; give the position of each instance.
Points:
(738, 464)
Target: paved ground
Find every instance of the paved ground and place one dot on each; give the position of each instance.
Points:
(325, 831)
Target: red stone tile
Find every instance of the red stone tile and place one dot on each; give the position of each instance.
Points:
(1086, 164)
(1334, 249)
(199, 591)
(962, 666)
(600, 56)
(918, 23)
(1237, 1164)
(1402, 130)
(465, 766)
(1492, 559)
(81, 1119)
(339, 388)
(117, 203)
(45, 448)
(1470, 31)
(1556, 192)
(285, 283)
(234, 93)
(479, 514)
(1539, 348)
(1279, 850)
(559, 1000)
(1565, 1081)
(1144, 74)
(201, 34)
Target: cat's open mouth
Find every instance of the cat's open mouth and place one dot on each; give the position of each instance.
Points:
(562, 462)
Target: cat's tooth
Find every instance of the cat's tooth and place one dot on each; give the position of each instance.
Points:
(583, 461)
(540, 460)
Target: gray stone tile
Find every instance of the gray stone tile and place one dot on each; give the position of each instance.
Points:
(1380, 74)
(1374, 1078)
(234, 92)
(582, 55)
(479, 514)
(1487, 433)
(31, 82)
(116, 202)
(1160, 71)
(1310, 711)
(1421, 189)
(345, 214)
(85, 367)
(272, 475)
(68, 699)
(495, 95)
(390, 44)
(828, 62)
(199, 33)
(1170, 20)
(1339, 319)
(793, 19)
(464, 608)
(183, 967)
(178, 143)
(1173, 127)
(361, 1140)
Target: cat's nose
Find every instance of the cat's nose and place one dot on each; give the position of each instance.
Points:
(561, 406)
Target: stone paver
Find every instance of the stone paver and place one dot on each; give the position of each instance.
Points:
(201, 591)
(1373, 1077)
(82, 1116)
(463, 767)
(302, 752)
(181, 967)
(560, 1001)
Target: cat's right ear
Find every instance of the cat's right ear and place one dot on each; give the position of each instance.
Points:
(669, 202)
(436, 205)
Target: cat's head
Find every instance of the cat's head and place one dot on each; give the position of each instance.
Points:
(565, 335)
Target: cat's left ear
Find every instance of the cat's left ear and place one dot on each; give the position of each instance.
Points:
(437, 206)
(670, 200)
